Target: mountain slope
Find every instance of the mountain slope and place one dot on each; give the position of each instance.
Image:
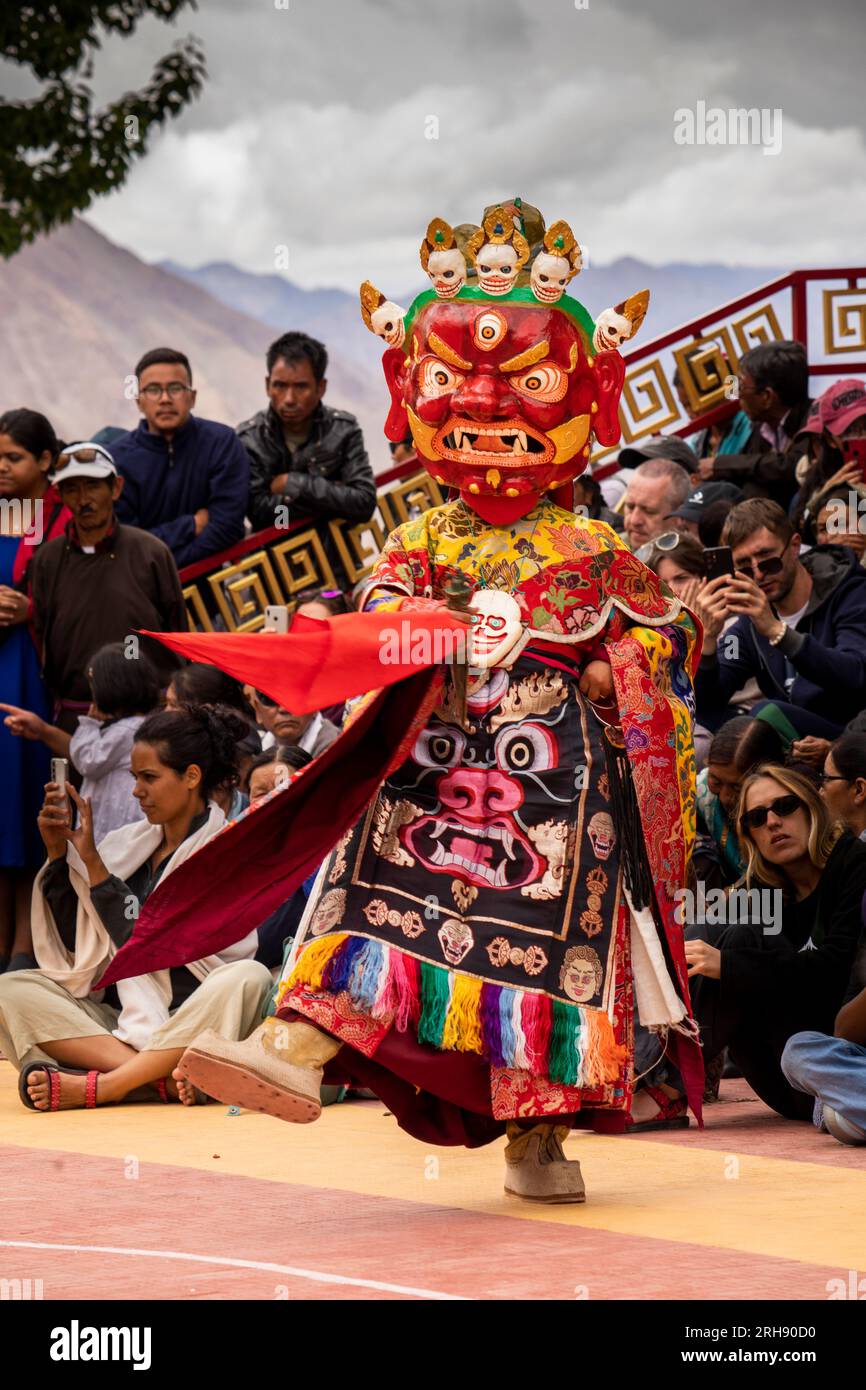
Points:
(678, 293)
(79, 311)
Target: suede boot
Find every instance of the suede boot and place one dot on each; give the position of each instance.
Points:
(277, 1069)
(536, 1168)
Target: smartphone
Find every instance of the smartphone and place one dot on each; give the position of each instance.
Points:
(854, 451)
(276, 618)
(60, 772)
(718, 560)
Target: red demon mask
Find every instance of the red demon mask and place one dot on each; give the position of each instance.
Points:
(501, 399)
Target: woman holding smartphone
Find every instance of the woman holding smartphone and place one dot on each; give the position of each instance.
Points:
(786, 969)
(76, 1047)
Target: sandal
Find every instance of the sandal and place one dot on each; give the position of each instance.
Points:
(54, 1073)
(673, 1113)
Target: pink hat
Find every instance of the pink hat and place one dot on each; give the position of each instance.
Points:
(840, 405)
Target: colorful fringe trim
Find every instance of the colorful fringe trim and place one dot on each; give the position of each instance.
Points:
(508, 1027)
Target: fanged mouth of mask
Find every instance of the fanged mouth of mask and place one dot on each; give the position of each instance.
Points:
(488, 439)
(493, 855)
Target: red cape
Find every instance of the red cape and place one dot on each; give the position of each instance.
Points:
(251, 867)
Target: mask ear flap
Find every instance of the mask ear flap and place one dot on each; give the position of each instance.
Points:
(395, 367)
(609, 372)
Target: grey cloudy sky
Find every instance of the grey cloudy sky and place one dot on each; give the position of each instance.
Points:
(311, 132)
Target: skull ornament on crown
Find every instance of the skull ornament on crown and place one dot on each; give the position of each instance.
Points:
(557, 263)
(443, 260)
(498, 380)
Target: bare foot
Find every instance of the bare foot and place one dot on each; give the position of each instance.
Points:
(187, 1094)
(73, 1090)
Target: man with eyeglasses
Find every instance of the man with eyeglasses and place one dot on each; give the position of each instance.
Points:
(799, 629)
(773, 388)
(186, 479)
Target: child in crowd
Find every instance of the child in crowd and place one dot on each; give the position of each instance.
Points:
(124, 690)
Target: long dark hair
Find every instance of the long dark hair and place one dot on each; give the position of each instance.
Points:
(207, 735)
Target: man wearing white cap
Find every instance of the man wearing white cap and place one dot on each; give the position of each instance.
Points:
(98, 583)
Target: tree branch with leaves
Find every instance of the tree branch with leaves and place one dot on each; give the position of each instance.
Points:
(57, 151)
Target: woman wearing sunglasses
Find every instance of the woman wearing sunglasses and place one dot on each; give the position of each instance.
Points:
(787, 968)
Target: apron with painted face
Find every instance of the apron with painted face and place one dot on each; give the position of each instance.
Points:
(492, 850)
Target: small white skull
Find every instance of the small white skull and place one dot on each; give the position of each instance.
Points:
(388, 322)
(498, 627)
(549, 276)
(612, 329)
(497, 267)
(447, 271)
(456, 940)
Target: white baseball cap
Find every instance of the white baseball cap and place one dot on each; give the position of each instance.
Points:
(86, 460)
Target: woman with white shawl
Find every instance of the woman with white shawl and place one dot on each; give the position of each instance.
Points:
(76, 1047)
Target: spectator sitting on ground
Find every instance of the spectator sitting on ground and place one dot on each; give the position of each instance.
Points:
(325, 603)
(740, 746)
(613, 490)
(101, 582)
(837, 516)
(305, 457)
(800, 625)
(833, 1070)
(200, 684)
(843, 782)
(712, 523)
(402, 451)
(774, 393)
(124, 692)
(311, 732)
(757, 983)
(658, 487)
(74, 1049)
(678, 559)
(275, 767)
(186, 478)
(589, 502)
(689, 514)
(836, 417)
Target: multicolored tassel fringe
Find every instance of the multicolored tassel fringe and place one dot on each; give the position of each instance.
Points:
(508, 1027)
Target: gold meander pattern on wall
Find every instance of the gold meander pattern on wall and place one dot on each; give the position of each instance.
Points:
(844, 321)
(649, 404)
(238, 593)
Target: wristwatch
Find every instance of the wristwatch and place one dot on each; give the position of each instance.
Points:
(780, 633)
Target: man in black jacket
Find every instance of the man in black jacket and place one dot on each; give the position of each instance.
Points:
(800, 626)
(774, 393)
(306, 459)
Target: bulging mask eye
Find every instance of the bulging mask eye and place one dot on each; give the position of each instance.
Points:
(436, 378)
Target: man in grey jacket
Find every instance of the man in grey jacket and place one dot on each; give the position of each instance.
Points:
(306, 459)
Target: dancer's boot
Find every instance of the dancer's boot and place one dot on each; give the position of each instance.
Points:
(536, 1167)
(277, 1069)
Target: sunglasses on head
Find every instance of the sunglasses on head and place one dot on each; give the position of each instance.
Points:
(82, 456)
(782, 806)
(668, 540)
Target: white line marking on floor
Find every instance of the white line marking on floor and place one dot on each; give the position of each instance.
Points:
(316, 1275)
